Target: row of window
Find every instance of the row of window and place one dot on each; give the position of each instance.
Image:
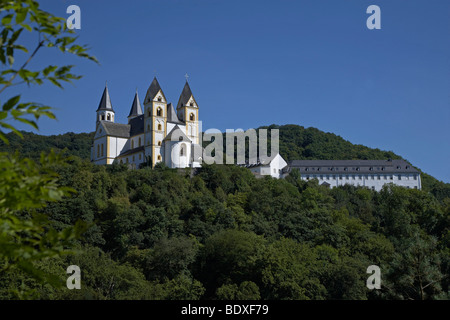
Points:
(360, 177)
(132, 158)
(159, 113)
(109, 117)
(346, 168)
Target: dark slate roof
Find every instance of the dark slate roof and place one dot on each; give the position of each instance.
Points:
(153, 90)
(131, 151)
(185, 96)
(105, 101)
(176, 133)
(137, 125)
(116, 129)
(136, 109)
(172, 115)
(351, 166)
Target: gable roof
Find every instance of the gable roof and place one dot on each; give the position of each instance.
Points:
(105, 101)
(116, 129)
(185, 96)
(136, 109)
(153, 91)
(352, 166)
(176, 133)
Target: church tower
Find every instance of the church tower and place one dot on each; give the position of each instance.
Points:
(187, 111)
(136, 109)
(155, 122)
(105, 111)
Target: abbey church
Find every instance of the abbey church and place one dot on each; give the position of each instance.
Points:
(160, 132)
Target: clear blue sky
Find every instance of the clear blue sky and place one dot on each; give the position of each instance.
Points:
(253, 63)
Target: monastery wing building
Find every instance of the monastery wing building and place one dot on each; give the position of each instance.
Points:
(373, 174)
(159, 132)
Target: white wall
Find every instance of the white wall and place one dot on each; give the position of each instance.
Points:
(372, 181)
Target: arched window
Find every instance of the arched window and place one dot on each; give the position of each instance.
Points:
(159, 158)
(159, 112)
(98, 150)
(103, 117)
(149, 112)
(159, 143)
(132, 144)
(192, 117)
(183, 150)
(108, 117)
(159, 127)
(139, 141)
(102, 149)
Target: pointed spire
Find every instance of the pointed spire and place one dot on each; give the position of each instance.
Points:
(186, 94)
(136, 109)
(171, 114)
(105, 101)
(153, 90)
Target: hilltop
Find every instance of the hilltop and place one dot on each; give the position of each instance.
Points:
(296, 143)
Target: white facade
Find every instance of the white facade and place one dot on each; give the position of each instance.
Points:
(273, 167)
(372, 181)
(373, 174)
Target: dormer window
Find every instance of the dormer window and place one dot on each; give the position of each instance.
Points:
(306, 169)
(180, 138)
(345, 169)
(407, 167)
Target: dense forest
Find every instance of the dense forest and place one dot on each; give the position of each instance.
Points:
(223, 234)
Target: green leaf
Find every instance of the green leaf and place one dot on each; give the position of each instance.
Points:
(49, 69)
(29, 122)
(11, 103)
(7, 19)
(21, 15)
(26, 27)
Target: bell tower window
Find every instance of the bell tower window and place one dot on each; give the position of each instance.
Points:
(159, 112)
(191, 117)
(109, 117)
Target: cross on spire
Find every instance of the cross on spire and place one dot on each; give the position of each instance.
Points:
(186, 76)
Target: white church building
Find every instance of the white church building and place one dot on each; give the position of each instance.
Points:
(159, 132)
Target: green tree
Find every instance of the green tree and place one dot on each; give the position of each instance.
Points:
(25, 185)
